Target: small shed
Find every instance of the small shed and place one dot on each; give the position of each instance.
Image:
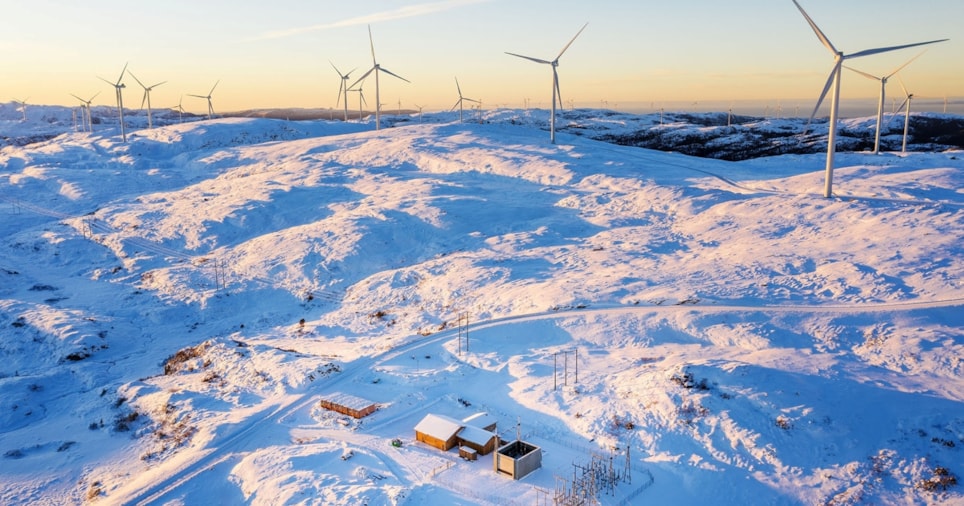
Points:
(438, 431)
(350, 405)
(483, 421)
(478, 439)
(517, 459)
(468, 453)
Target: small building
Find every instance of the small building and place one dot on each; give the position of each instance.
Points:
(480, 440)
(468, 453)
(517, 459)
(346, 404)
(438, 431)
(483, 421)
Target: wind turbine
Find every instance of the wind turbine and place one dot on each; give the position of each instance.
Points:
(342, 88)
(118, 90)
(377, 69)
(906, 103)
(85, 109)
(208, 97)
(834, 80)
(23, 107)
(556, 93)
(880, 103)
(419, 113)
(461, 99)
(147, 97)
(361, 98)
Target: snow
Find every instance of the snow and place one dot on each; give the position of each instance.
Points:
(174, 308)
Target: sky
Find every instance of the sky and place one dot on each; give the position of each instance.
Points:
(637, 56)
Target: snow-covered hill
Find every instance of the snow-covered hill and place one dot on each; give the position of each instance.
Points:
(173, 309)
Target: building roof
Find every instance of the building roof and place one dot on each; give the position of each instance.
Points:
(438, 426)
(347, 400)
(475, 435)
(482, 420)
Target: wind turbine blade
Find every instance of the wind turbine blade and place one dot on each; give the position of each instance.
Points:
(389, 72)
(823, 95)
(215, 86)
(78, 98)
(899, 109)
(537, 60)
(458, 87)
(122, 74)
(571, 41)
(336, 69)
(144, 99)
(371, 42)
(898, 69)
(902, 87)
(823, 38)
(459, 101)
(156, 85)
(362, 78)
(868, 76)
(136, 79)
(868, 52)
(106, 81)
(198, 96)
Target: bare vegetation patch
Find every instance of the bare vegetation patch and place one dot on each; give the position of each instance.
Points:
(183, 358)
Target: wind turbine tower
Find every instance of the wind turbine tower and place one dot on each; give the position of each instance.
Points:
(342, 88)
(147, 97)
(880, 103)
(208, 97)
(556, 93)
(461, 99)
(377, 69)
(834, 80)
(118, 90)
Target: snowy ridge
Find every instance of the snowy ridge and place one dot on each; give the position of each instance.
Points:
(174, 308)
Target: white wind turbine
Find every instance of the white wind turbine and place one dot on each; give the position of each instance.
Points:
(906, 106)
(556, 94)
(208, 97)
(342, 88)
(880, 103)
(377, 69)
(834, 80)
(85, 111)
(361, 98)
(147, 97)
(118, 90)
(461, 99)
(23, 107)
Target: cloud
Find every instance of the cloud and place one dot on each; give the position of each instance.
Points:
(400, 13)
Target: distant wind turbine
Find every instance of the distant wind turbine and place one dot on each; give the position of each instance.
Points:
(419, 113)
(556, 93)
(208, 97)
(461, 99)
(118, 90)
(906, 106)
(880, 103)
(23, 107)
(377, 69)
(342, 88)
(147, 97)
(834, 80)
(361, 98)
(85, 111)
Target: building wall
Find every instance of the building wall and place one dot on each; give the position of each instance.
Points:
(441, 444)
